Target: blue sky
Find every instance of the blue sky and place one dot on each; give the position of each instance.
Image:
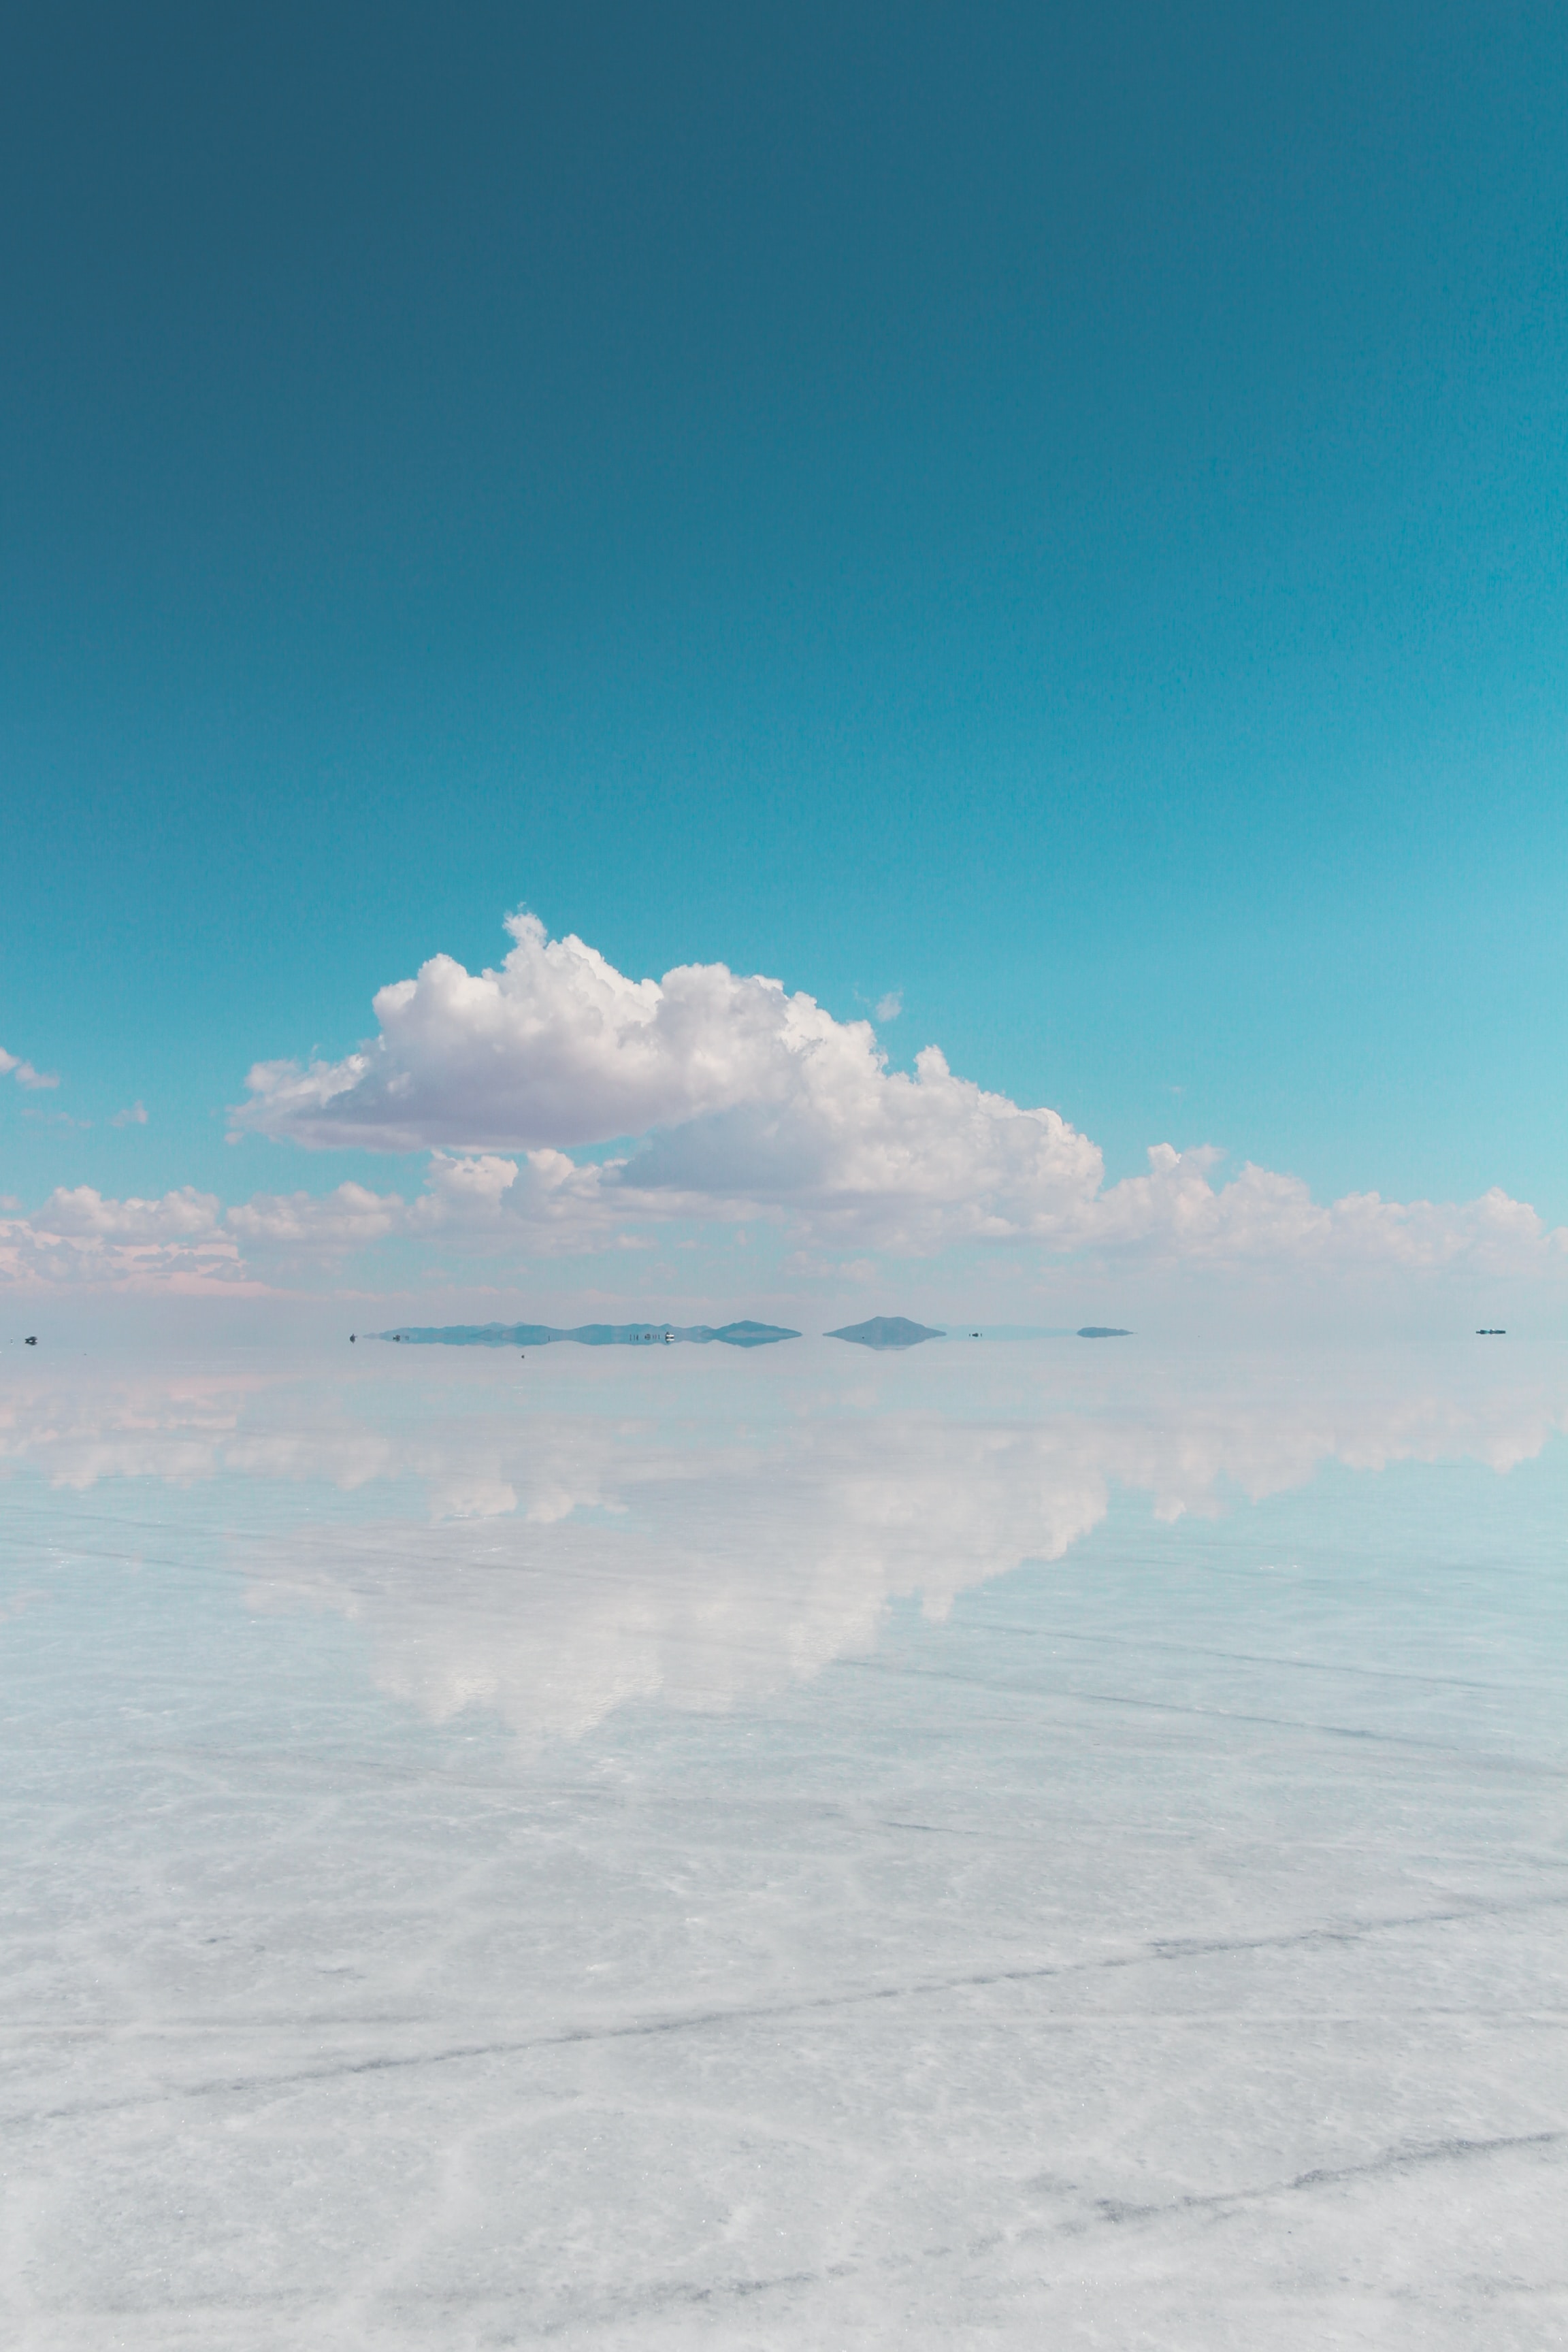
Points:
(1056, 511)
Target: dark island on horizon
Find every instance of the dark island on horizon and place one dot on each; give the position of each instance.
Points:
(879, 1331)
(887, 1331)
(591, 1335)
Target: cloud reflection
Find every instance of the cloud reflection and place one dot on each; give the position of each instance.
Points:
(548, 1554)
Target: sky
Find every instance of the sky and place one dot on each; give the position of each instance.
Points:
(1037, 529)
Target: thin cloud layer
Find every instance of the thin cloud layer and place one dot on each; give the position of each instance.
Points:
(13, 1066)
(506, 1212)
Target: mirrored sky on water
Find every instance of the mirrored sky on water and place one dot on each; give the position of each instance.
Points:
(1001, 1844)
(547, 1538)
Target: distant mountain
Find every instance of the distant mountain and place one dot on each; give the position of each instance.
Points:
(1102, 1332)
(590, 1335)
(743, 1335)
(887, 1331)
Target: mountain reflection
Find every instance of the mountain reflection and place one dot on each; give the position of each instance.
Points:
(548, 1551)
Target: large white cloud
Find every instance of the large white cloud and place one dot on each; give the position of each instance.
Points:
(556, 1048)
(751, 1102)
(750, 1097)
(743, 1103)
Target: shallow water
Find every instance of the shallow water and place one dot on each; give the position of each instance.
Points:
(1032, 1843)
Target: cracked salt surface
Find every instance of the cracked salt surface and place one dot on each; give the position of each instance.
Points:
(805, 1852)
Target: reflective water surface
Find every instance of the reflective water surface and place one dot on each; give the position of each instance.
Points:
(1004, 1844)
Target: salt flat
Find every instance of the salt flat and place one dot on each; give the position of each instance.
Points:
(996, 1846)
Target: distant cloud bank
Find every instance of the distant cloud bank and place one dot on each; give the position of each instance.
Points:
(747, 1104)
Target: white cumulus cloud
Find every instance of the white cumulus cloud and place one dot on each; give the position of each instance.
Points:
(857, 1153)
(555, 1048)
(1261, 1219)
(725, 1101)
(752, 1100)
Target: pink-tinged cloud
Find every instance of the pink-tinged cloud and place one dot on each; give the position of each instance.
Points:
(77, 1238)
